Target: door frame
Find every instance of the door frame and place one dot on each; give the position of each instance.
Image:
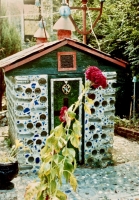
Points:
(52, 80)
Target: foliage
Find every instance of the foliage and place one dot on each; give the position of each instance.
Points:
(121, 122)
(117, 31)
(10, 41)
(127, 123)
(10, 155)
(29, 43)
(58, 159)
(8, 142)
(90, 18)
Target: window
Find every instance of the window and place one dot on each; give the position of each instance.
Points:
(66, 61)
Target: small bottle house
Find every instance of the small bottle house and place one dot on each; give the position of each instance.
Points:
(45, 77)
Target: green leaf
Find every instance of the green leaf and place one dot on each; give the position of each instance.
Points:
(57, 147)
(47, 158)
(51, 132)
(71, 107)
(51, 141)
(87, 84)
(68, 121)
(41, 171)
(76, 135)
(59, 170)
(90, 101)
(65, 151)
(66, 137)
(87, 109)
(41, 197)
(75, 139)
(41, 188)
(54, 144)
(53, 173)
(73, 182)
(46, 168)
(74, 163)
(57, 158)
(75, 142)
(77, 127)
(63, 141)
(68, 169)
(53, 186)
(45, 150)
(66, 175)
(71, 114)
(59, 130)
(60, 144)
(69, 152)
(68, 166)
(61, 195)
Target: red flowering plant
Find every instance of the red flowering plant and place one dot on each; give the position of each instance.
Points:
(58, 159)
(62, 116)
(96, 77)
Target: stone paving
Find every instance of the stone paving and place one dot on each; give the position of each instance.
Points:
(112, 183)
(119, 182)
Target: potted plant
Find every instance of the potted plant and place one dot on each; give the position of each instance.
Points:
(58, 158)
(9, 166)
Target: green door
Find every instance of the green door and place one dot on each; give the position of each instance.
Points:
(64, 92)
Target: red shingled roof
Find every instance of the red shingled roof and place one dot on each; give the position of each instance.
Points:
(39, 50)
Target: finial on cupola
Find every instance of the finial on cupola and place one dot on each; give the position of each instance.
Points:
(41, 34)
(64, 26)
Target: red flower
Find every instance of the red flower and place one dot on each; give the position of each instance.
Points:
(62, 114)
(96, 77)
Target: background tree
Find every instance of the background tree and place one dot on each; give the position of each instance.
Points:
(117, 31)
(10, 40)
(118, 34)
(10, 43)
(114, 35)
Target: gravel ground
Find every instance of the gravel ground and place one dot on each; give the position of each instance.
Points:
(119, 182)
(125, 150)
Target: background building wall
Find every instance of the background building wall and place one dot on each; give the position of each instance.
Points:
(25, 16)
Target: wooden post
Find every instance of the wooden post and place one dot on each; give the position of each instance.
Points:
(84, 21)
(84, 8)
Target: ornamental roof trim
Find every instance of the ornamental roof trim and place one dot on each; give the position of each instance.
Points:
(36, 51)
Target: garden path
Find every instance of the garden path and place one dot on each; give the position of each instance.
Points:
(118, 182)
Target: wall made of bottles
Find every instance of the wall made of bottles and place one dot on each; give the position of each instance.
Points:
(99, 126)
(28, 117)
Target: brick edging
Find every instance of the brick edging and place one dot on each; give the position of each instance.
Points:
(127, 133)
